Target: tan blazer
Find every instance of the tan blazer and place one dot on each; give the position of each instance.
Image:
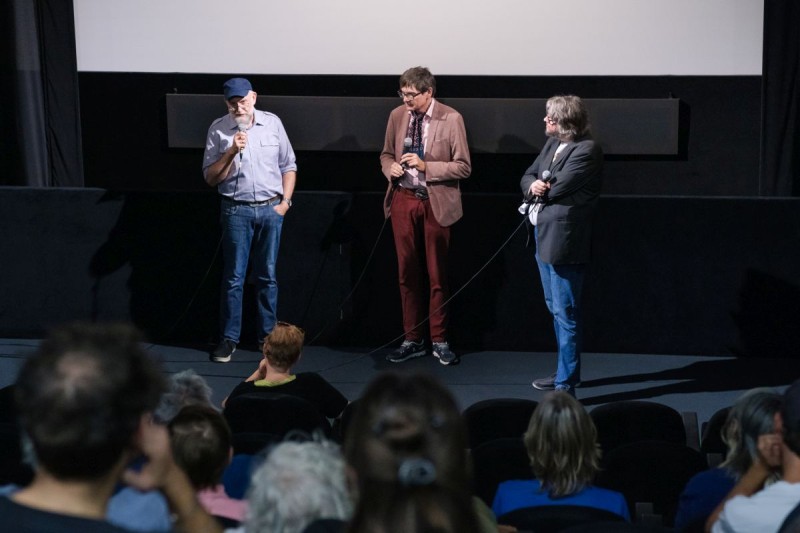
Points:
(446, 159)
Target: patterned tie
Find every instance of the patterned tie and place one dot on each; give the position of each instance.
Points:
(416, 134)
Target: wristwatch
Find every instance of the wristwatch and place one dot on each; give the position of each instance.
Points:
(288, 201)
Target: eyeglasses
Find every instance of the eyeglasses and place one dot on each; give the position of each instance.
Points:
(407, 96)
(243, 102)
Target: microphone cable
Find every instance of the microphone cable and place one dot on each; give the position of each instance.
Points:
(394, 185)
(205, 276)
(424, 320)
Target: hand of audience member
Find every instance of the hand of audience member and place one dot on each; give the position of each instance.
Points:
(260, 373)
(161, 472)
(153, 441)
(506, 529)
(769, 449)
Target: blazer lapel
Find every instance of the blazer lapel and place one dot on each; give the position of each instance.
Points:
(400, 134)
(436, 118)
(550, 152)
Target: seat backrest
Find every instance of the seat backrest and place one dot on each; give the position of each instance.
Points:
(8, 412)
(498, 418)
(651, 471)
(341, 424)
(12, 468)
(616, 527)
(496, 461)
(253, 443)
(622, 422)
(545, 518)
(711, 439)
(276, 414)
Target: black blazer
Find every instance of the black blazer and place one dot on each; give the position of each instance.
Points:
(564, 224)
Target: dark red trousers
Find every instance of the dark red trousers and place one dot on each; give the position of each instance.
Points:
(422, 246)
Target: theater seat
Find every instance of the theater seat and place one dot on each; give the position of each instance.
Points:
(498, 418)
(651, 471)
(554, 518)
(497, 461)
(276, 414)
(623, 422)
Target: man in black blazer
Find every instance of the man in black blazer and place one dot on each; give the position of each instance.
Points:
(562, 186)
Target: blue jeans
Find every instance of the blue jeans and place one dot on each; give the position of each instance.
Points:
(245, 227)
(562, 286)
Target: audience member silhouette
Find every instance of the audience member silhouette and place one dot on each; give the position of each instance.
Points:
(751, 416)
(297, 484)
(85, 399)
(186, 387)
(148, 511)
(562, 446)
(407, 446)
(752, 506)
(282, 349)
(201, 445)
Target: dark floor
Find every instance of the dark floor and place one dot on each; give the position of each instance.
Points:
(701, 384)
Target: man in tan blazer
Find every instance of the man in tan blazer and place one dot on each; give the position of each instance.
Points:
(424, 156)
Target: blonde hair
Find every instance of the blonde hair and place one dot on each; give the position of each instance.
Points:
(282, 347)
(561, 441)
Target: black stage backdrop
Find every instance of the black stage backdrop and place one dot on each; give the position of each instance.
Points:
(699, 276)
(780, 156)
(40, 130)
(720, 122)
(690, 266)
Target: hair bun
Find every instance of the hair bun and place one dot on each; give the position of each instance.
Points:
(416, 471)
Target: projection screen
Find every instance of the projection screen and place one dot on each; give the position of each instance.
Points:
(451, 37)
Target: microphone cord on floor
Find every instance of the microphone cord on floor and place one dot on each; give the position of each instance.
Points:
(423, 321)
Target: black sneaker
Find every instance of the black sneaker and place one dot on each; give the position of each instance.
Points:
(406, 351)
(548, 383)
(442, 352)
(222, 353)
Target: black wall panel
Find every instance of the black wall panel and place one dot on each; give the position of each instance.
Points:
(681, 275)
(126, 147)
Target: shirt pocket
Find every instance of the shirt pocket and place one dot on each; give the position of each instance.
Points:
(269, 146)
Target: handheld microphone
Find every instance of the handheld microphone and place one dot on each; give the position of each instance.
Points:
(406, 149)
(241, 124)
(545, 177)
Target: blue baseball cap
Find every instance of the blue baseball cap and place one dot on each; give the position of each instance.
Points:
(236, 87)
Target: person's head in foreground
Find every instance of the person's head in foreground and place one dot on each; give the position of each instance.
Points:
(407, 446)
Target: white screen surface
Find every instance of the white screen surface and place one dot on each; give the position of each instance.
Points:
(451, 37)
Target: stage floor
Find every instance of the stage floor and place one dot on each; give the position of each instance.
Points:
(702, 384)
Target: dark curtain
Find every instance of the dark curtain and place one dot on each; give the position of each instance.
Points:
(780, 143)
(41, 140)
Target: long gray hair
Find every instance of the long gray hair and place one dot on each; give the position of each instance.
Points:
(569, 112)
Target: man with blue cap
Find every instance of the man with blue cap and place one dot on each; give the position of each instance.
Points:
(250, 160)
